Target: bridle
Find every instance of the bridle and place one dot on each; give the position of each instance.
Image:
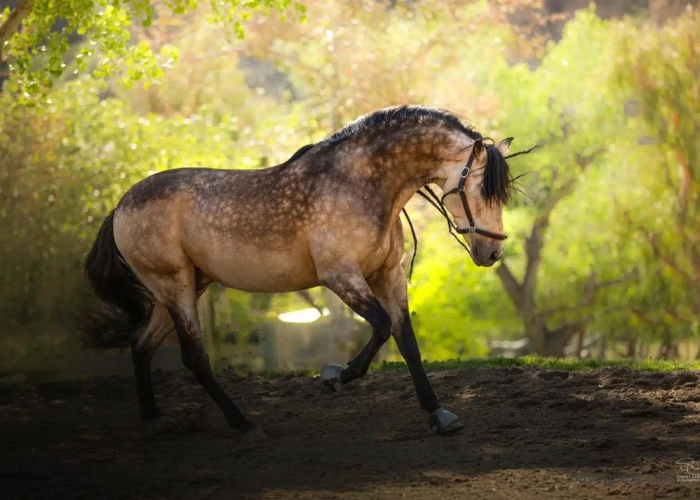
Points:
(438, 204)
(472, 229)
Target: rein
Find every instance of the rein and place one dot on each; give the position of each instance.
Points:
(437, 202)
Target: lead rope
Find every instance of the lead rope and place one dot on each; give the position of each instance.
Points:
(415, 242)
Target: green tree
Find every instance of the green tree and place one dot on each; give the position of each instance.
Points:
(560, 280)
(36, 52)
(657, 72)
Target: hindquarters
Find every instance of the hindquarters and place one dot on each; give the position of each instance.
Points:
(121, 303)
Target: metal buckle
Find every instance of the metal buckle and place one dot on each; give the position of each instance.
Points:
(472, 229)
(464, 173)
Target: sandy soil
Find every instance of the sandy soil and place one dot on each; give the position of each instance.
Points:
(527, 432)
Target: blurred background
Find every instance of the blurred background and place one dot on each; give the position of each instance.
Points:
(603, 258)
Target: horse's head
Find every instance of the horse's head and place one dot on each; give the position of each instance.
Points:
(475, 194)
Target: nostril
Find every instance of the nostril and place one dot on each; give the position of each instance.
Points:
(495, 255)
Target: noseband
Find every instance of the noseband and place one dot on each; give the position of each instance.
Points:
(472, 229)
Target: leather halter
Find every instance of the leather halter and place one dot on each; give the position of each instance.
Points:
(472, 229)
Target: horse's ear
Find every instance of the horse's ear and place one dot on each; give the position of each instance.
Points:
(479, 148)
(504, 146)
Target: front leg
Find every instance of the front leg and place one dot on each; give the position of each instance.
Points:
(349, 284)
(385, 305)
(441, 421)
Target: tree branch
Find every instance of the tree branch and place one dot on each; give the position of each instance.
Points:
(533, 245)
(589, 296)
(14, 21)
(511, 285)
(692, 280)
(642, 316)
(533, 250)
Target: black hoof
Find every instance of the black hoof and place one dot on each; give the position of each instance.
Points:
(330, 379)
(444, 423)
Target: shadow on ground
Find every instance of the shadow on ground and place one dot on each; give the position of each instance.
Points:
(527, 431)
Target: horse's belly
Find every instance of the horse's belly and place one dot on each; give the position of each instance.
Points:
(250, 269)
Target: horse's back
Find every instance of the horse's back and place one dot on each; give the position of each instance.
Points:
(171, 183)
(225, 222)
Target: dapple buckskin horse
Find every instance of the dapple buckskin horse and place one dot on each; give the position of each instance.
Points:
(329, 216)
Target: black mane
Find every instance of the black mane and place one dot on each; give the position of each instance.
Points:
(384, 116)
(497, 184)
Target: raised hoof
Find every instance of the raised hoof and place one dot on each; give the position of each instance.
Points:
(330, 379)
(163, 425)
(254, 435)
(444, 423)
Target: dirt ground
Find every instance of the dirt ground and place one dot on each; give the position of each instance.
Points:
(527, 432)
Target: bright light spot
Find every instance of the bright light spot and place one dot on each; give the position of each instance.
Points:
(564, 62)
(302, 316)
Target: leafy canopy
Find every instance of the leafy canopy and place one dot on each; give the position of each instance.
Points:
(37, 51)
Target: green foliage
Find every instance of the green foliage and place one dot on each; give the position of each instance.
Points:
(66, 165)
(608, 195)
(357, 57)
(566, 105)
(37, 53)
(657, 72)
(455, 304)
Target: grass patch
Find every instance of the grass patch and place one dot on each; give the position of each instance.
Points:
(571, 364)
(243, 371)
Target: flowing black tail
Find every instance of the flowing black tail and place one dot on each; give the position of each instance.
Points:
(123, 303)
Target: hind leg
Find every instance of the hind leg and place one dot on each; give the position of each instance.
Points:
(181, 303)
(143, 347)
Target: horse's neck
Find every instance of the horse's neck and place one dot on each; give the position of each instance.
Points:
(408, 172)
(406, 178)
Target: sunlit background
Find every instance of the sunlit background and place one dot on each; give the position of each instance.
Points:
(603, 258)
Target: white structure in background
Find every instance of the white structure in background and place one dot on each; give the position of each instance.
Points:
(306, 339)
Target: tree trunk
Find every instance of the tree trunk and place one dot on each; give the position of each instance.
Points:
(669, 349)
(603, 347)
(579, 344)
(546, 342)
